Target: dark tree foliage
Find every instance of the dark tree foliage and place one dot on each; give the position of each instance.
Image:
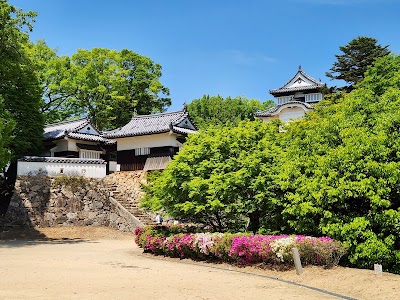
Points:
(356, 57)
(19, 88)
(215, 110)
(6, 127)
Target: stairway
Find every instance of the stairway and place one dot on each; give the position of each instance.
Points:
(121, 194)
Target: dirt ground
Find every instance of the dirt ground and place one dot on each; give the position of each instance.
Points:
(101, 263)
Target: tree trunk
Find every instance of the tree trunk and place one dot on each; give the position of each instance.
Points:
(254, 221)
(7, 187)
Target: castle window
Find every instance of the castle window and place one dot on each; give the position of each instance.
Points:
(142, 151)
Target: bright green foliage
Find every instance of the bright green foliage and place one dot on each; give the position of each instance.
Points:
(6, 126)
(358, 55)
(216, 110)
(223, 177)
(19, 86)
(51, 71)
(108, 85)
(20, 93)
(341, 169)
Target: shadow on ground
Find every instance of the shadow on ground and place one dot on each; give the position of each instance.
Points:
(18, 237)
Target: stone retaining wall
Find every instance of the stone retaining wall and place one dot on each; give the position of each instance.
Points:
(41, 201)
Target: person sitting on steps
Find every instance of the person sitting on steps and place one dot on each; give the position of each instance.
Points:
(159, 219)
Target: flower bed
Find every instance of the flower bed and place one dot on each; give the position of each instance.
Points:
(242, 249)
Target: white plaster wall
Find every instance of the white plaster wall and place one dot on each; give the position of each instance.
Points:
(62, 145)
(54, 169)
(292, 113)
(73, 147)
(88, 129)
(155, 140)
(112, 165)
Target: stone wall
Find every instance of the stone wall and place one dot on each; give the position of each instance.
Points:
(41, 201)
(128, 183)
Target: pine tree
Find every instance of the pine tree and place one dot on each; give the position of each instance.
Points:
(358, 54)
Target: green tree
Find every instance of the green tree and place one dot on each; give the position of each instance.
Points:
(6, 127)
(19, 89)
(106, 84)
(341, 169)
(52, 70)
(358, 55)
(216, 110)
(223, 177)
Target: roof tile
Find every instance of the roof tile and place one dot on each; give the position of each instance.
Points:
(150, 124)
(62, 160)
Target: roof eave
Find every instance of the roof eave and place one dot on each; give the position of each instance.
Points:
(297, 89)
(133, 135)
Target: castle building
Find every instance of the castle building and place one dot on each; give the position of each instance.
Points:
(148, 142)
(294, 99)
(77, 148)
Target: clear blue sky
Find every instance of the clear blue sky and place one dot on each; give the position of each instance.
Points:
(231, 48)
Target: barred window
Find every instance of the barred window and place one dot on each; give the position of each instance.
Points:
(89, 154)
(142, 151)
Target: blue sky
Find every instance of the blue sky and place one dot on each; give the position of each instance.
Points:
(232, 48)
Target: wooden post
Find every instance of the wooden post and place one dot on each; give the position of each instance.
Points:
(297, 262)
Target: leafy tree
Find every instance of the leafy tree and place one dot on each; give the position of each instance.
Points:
(106, 84)
(216, 110)
(19, 86)
(340, 170)
(223, 177)
(6, 127)
(52, 70)
(358, 55)
(19, 89)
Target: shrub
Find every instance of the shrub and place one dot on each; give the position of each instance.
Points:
(74, 183)
(242, 249)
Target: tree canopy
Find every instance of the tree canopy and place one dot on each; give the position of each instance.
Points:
(223, 177)
(107, 85)
(356, 57)
(335, 172)
(340, 170)
(6, 127)
(215, 110)
(19, 86)
(20, 92)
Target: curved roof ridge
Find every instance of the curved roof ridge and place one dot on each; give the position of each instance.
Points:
(66, 122)
(157, 114)
(310, 77)
(149, 124)
(274, 109)
(315, 83)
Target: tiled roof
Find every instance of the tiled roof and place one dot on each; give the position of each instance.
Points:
(150, 124)
(295, 89)
(182, 130)
(312, 84)
(70, 129)
(58, 130)
(63, 160)
(89, 137)
(271, 111)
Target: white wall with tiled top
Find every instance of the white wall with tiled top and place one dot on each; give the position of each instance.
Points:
(150, 141)
(26, 168)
